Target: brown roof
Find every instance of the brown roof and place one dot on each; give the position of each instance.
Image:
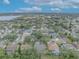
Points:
(52, 45)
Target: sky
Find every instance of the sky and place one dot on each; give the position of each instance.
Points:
(60, 6)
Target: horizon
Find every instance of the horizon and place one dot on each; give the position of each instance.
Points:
(22, 13)
(11, 16)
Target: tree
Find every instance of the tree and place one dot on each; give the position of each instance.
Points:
(70, 37)
(19, 49)
(5, 52)
(10, 37)
(69, 54)
(37, 34)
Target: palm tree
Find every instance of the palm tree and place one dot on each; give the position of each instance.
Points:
(5, 52)
(19, 49)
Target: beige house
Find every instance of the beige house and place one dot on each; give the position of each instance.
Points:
(53, 47)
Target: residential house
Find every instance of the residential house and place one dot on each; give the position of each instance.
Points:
(11, 48)
(53, 47)
(67, 46)
(40, 47)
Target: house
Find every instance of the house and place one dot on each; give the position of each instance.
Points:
(2, 44)
(28, 32)
(59, 40)
(25, 46)
(63, 38)
(52, 33)
(53, 47)
(11, 48)
(67, 46)
(40, 47)
(76, 45)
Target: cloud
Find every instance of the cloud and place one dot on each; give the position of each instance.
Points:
(56, 9)
(37, 2)
(6, 1)
(55, 3)
(31, 9)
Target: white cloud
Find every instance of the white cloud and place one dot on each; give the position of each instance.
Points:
(63, 3)
(32, 9)
(75, 6)
(55, 3)
(26, 1)
(6, 1)
(56, 9)
(37, 2)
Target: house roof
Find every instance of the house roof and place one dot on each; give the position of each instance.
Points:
(52, 45)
